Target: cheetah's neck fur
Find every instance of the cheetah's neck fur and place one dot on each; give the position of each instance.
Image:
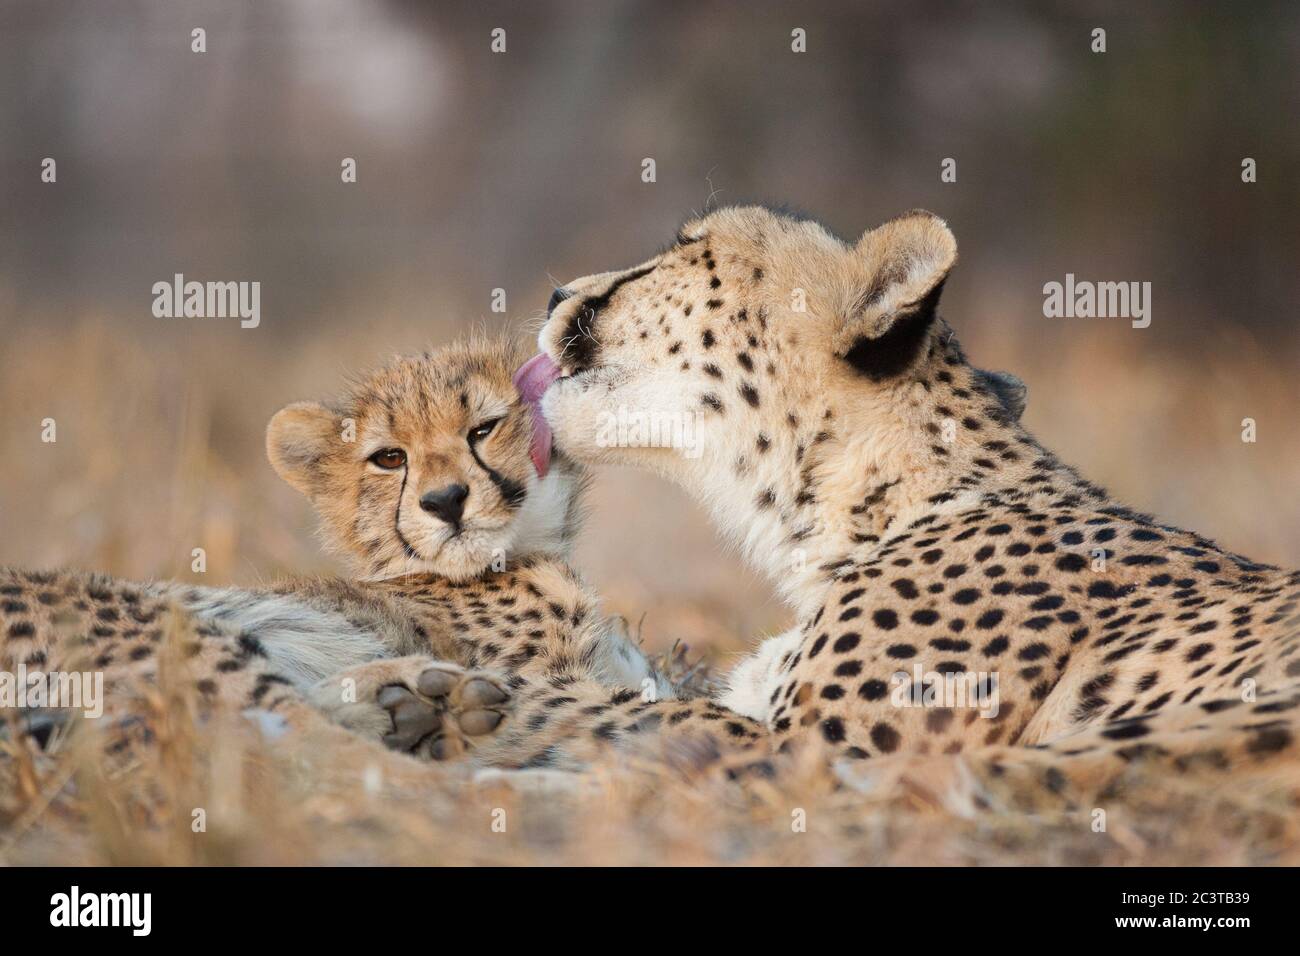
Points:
(833, 489)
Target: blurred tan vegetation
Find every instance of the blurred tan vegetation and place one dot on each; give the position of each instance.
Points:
(219, 792)
(481, 171)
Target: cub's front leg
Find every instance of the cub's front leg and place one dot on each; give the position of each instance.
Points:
(419, 705)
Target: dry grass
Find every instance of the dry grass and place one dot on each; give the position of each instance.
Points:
(266, 803)
(159, 451)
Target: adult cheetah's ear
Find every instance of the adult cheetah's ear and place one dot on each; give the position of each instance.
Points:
(900, 268)
(298, 439)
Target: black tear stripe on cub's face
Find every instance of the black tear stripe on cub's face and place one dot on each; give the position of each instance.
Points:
(457, 420)
(513, 492)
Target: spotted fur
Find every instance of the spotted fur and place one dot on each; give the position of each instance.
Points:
(887, 488)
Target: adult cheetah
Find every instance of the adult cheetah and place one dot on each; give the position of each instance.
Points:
(888, 490)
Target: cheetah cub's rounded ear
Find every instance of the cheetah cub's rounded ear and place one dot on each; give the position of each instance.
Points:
(899, 271)
(298, 440)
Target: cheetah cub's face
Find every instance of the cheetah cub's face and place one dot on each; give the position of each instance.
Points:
(425, 466)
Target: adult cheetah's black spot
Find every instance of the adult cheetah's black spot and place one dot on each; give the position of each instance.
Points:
(817, 646)
(873, 690)
(1159, 702)
(901, 651)
(885, 619)
(905, 588)
(832, 692)
(1127, 730)
(1214, 706)
(998, 529)
(846, 642)
(1071, 562)
(1033, 652)
(885, 737)
(949, 644)
(966, 596)
(1269, 740)
(21, 629)
(833, 729)
(853, 612)
(995, 647)
(848, 669)
(924, 617)
(1197, 652)
(1105, 589)
(989, 619)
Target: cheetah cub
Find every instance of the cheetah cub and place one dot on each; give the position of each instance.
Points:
(434, 479)
(457, 526)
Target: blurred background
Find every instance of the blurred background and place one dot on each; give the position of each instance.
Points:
(479, 170)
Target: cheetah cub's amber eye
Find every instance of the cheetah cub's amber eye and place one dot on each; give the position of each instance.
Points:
(389, 458)
(482, 431)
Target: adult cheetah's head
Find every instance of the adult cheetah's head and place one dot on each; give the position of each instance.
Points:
(750, 318)
(792, 371)
(424, 466)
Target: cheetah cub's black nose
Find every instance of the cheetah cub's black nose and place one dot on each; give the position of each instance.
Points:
(558, 296)
(447, 503)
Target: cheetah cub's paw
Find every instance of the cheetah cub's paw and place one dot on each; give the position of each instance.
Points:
(419, 705)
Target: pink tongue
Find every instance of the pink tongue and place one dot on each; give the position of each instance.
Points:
(532, 379)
